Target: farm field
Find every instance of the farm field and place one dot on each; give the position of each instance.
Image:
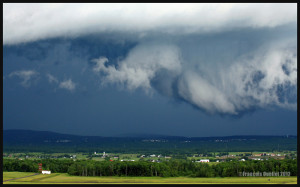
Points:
(63, 178)
(12, 175)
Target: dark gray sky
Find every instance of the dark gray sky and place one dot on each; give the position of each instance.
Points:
(117, 72)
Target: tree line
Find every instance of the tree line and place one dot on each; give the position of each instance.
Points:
(172, 168)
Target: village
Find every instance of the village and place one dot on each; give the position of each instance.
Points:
(209, 157)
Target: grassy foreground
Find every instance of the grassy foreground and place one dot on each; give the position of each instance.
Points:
(63, 178)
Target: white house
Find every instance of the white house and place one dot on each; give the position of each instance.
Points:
(204, 160)
(46, 172)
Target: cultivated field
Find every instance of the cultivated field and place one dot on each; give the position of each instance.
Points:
(63, 178)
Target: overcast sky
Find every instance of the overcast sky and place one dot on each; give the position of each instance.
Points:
(171, 69)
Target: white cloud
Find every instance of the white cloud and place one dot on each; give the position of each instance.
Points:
(34, 21)
(199, 92)
(258, 79)
(67, 84)
(99, 64)
(26, 75)
(141, 65)
(244, 84)
(51, 78)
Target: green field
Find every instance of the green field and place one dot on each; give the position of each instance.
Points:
(63, 178)
(12, 175)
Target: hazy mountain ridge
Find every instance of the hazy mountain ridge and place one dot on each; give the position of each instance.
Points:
(45, 141)
(28, 135)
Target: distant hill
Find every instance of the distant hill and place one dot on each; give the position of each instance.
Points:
(30, 136)
(144, 135)
(135, 135)
(29, 140)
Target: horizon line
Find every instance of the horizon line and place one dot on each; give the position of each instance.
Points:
(137, 135)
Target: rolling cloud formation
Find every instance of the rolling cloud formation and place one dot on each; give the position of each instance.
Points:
(169, 56)
(268, 78)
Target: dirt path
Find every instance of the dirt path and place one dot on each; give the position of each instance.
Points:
(21, 177)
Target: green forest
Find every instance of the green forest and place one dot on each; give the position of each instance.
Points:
(172, 168)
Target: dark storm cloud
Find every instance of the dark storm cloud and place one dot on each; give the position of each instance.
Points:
(214, 74)
(243, 58)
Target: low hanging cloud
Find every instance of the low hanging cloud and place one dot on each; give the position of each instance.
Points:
(141, 65)
(26, 75)
(68, 84)
(268, 78)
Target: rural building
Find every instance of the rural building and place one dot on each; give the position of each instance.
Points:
(46, 172)
(203, 160)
